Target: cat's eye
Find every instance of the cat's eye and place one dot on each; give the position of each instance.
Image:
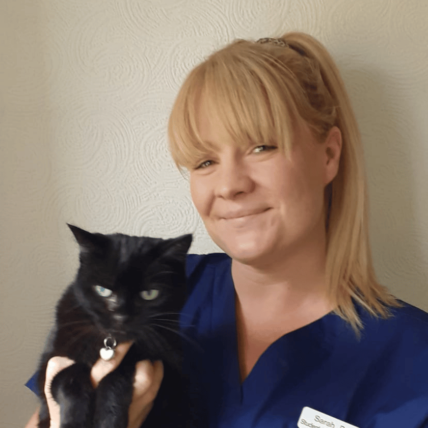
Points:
(103, 292)
(149, 294)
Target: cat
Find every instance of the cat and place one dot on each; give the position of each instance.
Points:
(127, 288)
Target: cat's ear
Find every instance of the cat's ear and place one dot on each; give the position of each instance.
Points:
(178, 247)
(88, 242)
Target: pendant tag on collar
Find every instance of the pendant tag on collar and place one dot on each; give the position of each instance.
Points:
(107, 353)
(311, 418)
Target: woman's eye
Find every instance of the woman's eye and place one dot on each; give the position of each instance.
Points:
(149, 294)
(263, 148)
(103, 292)
(204, 164)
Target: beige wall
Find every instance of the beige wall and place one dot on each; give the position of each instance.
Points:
(85, 91)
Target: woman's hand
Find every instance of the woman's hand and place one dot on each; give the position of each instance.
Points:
(148, 378)
(147, 381)
(55, 365)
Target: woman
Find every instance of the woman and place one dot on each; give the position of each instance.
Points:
(292, 317)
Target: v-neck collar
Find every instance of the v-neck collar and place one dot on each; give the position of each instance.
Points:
(291, 356)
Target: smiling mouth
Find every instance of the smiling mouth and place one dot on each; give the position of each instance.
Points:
(245, 215)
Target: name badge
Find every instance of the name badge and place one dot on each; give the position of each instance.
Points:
(314, 419)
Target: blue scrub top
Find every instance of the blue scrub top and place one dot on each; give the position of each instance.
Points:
(379, 380)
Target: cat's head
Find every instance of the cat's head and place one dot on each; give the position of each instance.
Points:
(131, 286)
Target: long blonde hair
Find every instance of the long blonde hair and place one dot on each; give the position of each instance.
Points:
(261, 92)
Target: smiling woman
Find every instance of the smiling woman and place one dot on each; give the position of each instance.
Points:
(290, 326)
(290, 98)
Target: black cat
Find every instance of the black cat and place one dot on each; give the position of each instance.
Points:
(127, 288)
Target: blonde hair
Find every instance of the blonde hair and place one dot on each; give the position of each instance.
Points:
(261, 92)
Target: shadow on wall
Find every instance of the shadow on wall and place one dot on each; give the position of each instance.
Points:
(30, 248)
(390, 143)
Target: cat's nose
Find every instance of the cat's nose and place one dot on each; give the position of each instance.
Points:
(120, 317)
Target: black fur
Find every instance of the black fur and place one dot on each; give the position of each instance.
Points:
(126, 265)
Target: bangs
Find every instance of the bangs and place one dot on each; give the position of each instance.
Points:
(243, 90)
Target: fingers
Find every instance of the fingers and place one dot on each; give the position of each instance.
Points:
(34, 421)
(102, 368)
(55, 365)
(147, 381)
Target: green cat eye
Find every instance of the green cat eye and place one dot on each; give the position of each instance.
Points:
(149, 294)
(103, 292)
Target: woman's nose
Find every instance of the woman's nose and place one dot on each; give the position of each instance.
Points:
(233, 179)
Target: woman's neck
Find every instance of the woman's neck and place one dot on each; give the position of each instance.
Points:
(285, 284)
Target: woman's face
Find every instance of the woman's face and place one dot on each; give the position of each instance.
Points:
(256, 204)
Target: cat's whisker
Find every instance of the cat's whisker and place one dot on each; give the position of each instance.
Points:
(168, 313)
(156, 316)
(166, 320)
(163, 272)
(156, 338)
(72, 308)
(70, 323)
(180, 314)
(176, 322)
(81, 334)
(172, 323)
(179, 333)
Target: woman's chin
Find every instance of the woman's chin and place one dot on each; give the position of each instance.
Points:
(249, 254)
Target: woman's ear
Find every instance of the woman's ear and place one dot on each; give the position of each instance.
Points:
(332, 150)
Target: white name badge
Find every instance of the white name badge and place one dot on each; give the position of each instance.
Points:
(311, 418)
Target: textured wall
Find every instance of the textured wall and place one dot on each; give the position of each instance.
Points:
(85, 91)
